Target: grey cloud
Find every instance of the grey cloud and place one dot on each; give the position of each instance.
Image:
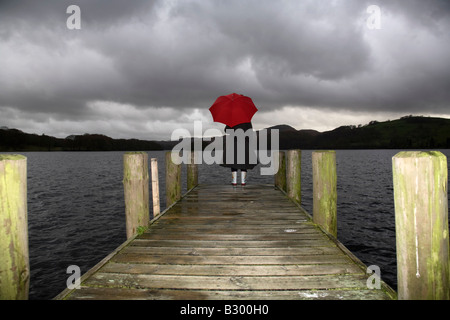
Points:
(311, 40)
(201, 57)
(428, 14)
(51, 12)
(150, 54)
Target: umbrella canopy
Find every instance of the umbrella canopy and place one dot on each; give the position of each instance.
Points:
(233, 109)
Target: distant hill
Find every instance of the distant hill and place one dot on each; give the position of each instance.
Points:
(16, 140)
(406, 133)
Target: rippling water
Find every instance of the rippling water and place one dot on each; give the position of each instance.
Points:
(76, 209)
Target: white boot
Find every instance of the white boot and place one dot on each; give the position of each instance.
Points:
(234, 178)
(243, 177)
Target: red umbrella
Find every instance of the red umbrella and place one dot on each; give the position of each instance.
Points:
(233, 109)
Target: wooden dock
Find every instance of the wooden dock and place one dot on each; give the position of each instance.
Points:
(224, 242)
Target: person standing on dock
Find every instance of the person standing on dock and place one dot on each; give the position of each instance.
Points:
(241, 142)
(240, 151)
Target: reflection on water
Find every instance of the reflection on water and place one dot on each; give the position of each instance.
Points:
(76, 209)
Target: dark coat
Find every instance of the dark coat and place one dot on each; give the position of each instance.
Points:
(245, 150)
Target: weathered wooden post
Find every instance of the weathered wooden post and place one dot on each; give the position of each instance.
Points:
(421, 223)
(173, 180)
(136, 185)
(324, 190)
(192, 171)
(293, 175)
(155, 187)
(14, 258)
(280, 176)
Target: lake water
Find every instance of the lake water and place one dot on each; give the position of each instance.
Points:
(76, 209)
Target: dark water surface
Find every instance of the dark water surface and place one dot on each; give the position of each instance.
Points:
(76, 211)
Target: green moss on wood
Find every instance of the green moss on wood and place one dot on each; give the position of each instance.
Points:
(12, 157)
(136, 191)
(293, 175)
(280, 177)
(173, 180)
(14, 263)
(421, 208)
(324, 190)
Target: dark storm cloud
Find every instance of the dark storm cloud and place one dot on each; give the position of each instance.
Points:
(200, 49)
(183, 54)
(46, 67)
(48, 12)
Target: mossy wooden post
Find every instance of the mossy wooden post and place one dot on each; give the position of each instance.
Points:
(136, 188)
(293, 174)
(155, 187)
(324, 190)
(280, 176)
(421, 223)
(192, 171)
(173, 180)
(14, 259)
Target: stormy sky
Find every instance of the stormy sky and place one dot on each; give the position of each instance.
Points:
(141, 69)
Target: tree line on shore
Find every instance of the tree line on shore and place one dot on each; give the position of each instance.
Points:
(16, 140)
(410, 132)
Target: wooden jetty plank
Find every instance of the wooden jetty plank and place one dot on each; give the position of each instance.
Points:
(236, 237)
(230, 251)
(233, 270)
(233, 260)
(235, 244)
(227, 220)
(236, 230)
(100, 293)
(230, 224)
(221, 242)
(324, 282)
